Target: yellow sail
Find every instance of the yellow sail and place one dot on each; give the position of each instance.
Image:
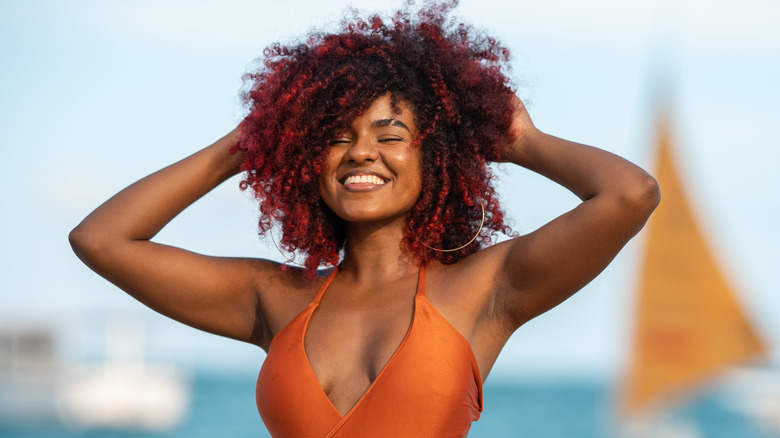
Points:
(688, 324)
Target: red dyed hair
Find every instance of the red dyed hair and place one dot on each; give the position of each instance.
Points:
(451, 76)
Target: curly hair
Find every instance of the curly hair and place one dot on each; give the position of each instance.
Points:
(451, 76)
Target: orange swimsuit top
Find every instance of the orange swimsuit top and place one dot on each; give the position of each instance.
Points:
(430, 387)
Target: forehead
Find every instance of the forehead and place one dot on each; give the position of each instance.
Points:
(382, 113)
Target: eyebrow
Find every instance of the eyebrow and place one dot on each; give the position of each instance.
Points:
(381, 123)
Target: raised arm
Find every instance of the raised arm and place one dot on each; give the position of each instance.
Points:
(539, 270)
(214, 294)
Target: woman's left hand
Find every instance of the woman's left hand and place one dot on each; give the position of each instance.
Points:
(542, 268)
(519, 133)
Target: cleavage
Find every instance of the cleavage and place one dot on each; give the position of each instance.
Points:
(348, 342)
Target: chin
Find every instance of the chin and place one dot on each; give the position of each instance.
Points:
(366, 215)
(361, 217)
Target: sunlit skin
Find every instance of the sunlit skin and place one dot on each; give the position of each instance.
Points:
(328, 146)
(368, 308)
(378, 144)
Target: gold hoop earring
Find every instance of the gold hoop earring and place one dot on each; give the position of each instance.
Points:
(287, 260)
(470, 241)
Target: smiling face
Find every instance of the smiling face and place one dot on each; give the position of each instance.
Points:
(372, 172)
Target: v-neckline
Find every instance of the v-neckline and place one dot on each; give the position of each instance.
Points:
(313, 307)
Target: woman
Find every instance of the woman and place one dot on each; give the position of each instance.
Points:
(369, 147)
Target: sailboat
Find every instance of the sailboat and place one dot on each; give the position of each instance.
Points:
(689, 324)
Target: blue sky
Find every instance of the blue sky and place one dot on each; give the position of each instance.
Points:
(94, 95)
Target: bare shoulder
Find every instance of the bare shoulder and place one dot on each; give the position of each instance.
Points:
(478, 272)
(467, 295)
(464, 292)
(283, 292)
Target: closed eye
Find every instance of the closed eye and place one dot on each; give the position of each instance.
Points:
(338, 141)
(390, 139)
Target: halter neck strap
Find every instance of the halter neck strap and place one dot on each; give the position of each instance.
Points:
(324, 286)
(421, 282)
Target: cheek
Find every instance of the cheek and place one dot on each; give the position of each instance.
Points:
(415, 178)
(329, 165)
(418, 166)
(325, 189)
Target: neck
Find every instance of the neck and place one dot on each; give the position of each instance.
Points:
(374, 252)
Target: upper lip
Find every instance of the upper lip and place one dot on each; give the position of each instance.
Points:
(358, 172)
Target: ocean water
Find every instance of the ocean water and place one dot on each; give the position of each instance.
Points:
(223, 406)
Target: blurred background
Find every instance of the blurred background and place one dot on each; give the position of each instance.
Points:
(94, 95)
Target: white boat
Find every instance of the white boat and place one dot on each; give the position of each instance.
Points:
(122, 392)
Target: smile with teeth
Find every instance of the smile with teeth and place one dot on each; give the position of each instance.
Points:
(364, 179)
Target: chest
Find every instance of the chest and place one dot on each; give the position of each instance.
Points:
(348, 343)
(420, 377)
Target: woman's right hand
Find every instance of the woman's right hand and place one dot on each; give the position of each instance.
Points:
(218, 295)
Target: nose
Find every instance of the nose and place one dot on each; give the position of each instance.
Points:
(362, 150)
